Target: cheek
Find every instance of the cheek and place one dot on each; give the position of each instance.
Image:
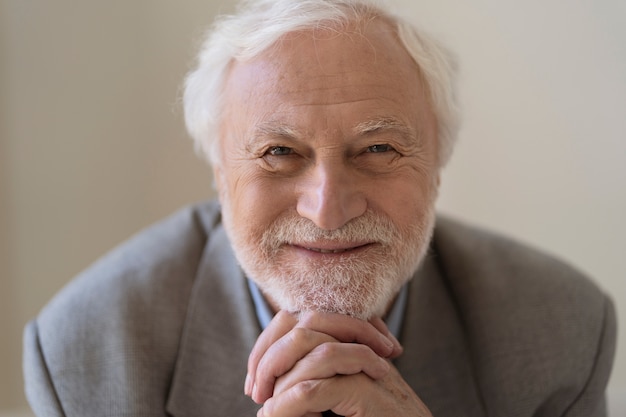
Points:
(256, 201)
(405, 199)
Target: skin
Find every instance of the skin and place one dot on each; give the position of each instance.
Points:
(301, 133)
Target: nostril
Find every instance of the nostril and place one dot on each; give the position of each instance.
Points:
(331, 211)
(330, 195)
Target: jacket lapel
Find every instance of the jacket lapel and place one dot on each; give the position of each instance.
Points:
(437, 363)
(220, 330)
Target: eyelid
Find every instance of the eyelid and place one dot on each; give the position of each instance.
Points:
(386, 148)
(379, 147)
(270, 150)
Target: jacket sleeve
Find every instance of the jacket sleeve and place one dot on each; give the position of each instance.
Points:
(592, 401)
(39, 386)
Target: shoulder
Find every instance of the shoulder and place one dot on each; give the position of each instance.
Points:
(149, 272)
(500, 269)
(537, 326)
(124, 315)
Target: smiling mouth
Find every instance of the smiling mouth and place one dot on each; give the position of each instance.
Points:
(329, 251)
(335, 251)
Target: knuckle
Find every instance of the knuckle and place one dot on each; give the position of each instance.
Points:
(265, 375)
(300, 336)
(327, 350)
(305, 391)
(269, 407)
(365, 351)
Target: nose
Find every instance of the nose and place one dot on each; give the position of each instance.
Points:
(330, 196)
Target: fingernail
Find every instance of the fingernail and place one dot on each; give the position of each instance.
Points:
(246, 387)
(393, 339)
(253, 391)
(398, 344)
(387, 340)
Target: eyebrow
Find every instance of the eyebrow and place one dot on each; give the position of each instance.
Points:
(275, 130)
(381, 124)
(270, 129)
(374, 125)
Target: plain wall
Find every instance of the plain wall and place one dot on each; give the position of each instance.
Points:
(93, 146)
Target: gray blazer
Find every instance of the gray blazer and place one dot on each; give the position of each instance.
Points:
(162, 326)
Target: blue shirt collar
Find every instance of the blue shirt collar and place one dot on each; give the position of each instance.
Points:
(394, 318)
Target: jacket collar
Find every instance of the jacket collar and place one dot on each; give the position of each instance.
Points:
(437, 361)
(219, 332)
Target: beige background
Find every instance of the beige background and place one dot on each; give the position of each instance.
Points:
(93, 148)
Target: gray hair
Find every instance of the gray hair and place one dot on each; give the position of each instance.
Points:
(258, 24)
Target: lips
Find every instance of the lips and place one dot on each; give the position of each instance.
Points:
(325, 249)
(328, 250)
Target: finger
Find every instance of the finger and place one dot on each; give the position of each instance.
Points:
(381, 326)
(350, 330)
(280, 325)
(260, 414)
(292, 402)
(331, 359)
(343, 328)
(281, 356)
(351, 395)
(313, 396)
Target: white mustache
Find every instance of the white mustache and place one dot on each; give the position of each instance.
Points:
(369, 227)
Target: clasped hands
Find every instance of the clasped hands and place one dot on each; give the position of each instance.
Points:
(303, 365)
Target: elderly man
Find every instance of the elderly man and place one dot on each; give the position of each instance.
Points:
(327, 123)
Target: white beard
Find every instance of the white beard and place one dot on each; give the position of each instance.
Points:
(361, 285)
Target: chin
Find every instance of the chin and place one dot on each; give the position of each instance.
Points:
(361, 286)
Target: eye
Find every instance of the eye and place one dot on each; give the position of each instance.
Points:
(279, 151)
(379, 148)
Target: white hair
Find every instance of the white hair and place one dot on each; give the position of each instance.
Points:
(258, 24)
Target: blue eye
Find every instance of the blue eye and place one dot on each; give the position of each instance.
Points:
(279, 150)
(379, 148)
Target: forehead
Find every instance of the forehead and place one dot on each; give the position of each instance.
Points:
(360, 68)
